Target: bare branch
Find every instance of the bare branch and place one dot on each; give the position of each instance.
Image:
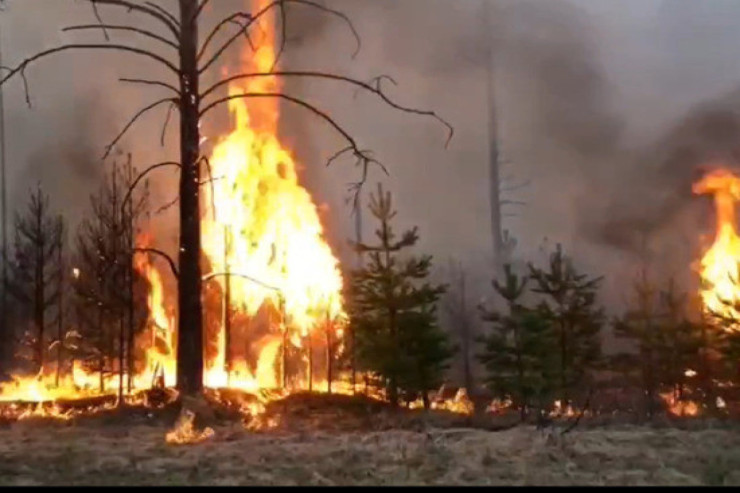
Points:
(114, 47)
(151, 83)
(377, 90)
(364, 158)
(25, 84)
(168, 205)
(270, 6)
(336, 13)
(214, 275)
(100, 21)
(230, 19)
(164, 12)
(202, 6)
(138, 115)
(106, 27)
(166, 122)
(154, 251)
(131, 6)
(140, 177)
(283, 35)
(299, 102)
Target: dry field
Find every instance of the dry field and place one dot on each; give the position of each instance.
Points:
(76, 454)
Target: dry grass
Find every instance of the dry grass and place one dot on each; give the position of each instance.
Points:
(32, 454)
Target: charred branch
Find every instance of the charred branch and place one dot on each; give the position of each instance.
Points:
(203, 5)
(164, 12)
(109, 27)
(160, 253)
(151, 83)
(232, 19)
(214, 275)
(141, 176)
(363, 157)
(138, 115)
(166, 123)
(255, 17)
(373, 89)
(96, 13)
(147, 9)
(113, 47)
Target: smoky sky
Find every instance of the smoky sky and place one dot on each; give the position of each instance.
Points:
(608, 107)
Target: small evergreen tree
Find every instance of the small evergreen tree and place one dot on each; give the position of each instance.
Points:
(569, 307)
(35, 280)
(681, 345)
(393, 309)
(427, 350)
(517, 353)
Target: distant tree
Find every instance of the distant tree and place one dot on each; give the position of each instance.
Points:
(394, 309)
(518, 350)
(35, 273)
(569, 306)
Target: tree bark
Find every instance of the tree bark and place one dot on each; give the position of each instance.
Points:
(190, 320)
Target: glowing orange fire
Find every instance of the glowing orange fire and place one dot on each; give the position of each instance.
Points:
(719, 265)
(158, 342)
(265, 232)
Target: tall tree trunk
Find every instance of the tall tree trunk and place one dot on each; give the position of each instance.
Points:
(190, 316)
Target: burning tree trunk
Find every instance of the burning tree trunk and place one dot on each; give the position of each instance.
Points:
(190, 327)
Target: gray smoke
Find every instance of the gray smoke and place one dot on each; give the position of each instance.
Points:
(610, 108)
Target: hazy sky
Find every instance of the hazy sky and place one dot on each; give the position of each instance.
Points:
(586, 89)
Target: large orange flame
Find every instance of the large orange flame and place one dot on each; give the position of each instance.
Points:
(263, 228)
(158, 342)
(719, 265)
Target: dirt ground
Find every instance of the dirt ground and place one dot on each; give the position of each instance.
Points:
(77, 454)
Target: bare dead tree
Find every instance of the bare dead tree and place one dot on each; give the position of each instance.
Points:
(193, 59)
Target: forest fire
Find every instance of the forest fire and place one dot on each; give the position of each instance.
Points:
(719, 265)
(273, 297)
(280, 282)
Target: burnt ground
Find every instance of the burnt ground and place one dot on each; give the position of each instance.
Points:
(322, 440)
